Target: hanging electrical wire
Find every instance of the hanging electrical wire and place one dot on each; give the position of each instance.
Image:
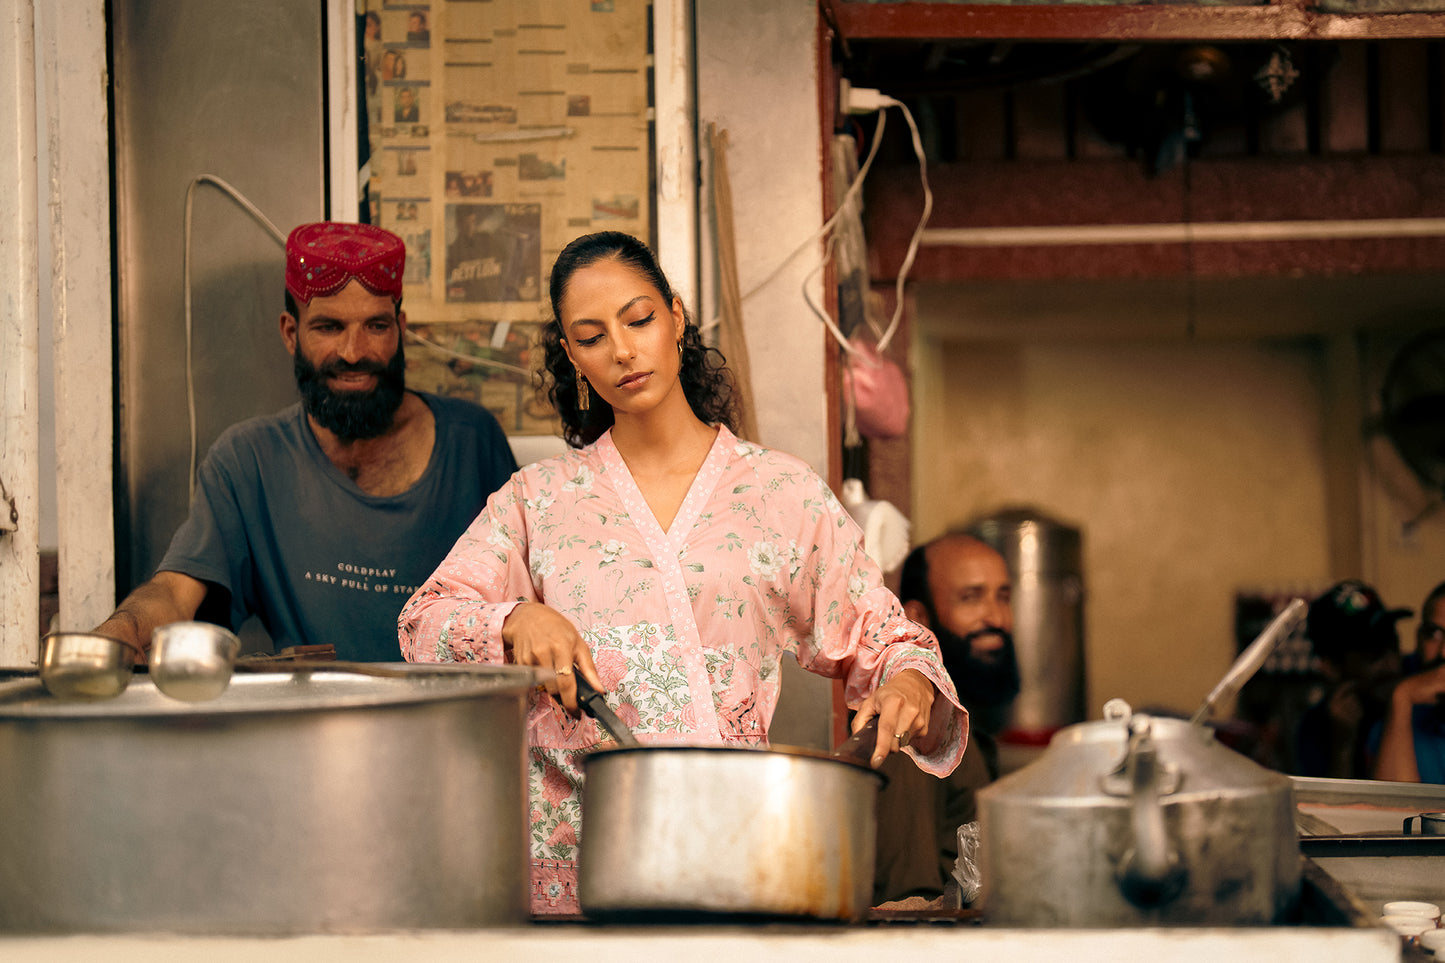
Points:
(882, 102)
(274, 231)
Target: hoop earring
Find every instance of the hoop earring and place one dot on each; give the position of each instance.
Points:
(584, 398)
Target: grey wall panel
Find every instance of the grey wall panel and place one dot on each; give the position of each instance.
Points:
(233, 89)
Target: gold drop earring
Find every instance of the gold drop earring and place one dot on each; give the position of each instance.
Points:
(584, 399)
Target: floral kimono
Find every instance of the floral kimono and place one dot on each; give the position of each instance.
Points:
(686, 626)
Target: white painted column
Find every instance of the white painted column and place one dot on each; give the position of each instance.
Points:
(71, 55)
(675, 124)
(19, 349)
(341, 120)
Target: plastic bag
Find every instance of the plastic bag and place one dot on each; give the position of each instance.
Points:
(879, 392)
(966, 869)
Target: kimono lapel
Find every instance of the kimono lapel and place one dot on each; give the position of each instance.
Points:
(665, 549)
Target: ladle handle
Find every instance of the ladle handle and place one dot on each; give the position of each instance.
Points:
(596, 706)
(1252, 658)
(859, 746)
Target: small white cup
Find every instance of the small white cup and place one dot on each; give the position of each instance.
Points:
(1409, 927)
(1433, 940)
(1410, 907)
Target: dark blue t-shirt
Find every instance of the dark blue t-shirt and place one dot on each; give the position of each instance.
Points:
(297, 543)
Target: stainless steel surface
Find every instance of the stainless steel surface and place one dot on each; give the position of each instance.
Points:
(1254, 656)
(192, 661)
(1045, 559)
(83, 665)
(294, 802)
(1352, 829)
(1057, 836)
(231, 88)
(1370, 798)
(676, 830)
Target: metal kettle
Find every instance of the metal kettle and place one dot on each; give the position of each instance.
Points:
(1138, 820)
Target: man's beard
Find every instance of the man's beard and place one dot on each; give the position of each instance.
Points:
(352, 415)
(987, 685)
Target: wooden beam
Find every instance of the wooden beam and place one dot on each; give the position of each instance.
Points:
(1091, 196)
(71, 50)
(1278, 21)
(19, 345)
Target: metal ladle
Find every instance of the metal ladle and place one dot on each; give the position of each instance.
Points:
(1251, 659)
(194, 662)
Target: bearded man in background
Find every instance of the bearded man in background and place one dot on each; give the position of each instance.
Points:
(959, 587)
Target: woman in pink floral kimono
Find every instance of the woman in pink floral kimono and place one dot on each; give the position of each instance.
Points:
(667, 561)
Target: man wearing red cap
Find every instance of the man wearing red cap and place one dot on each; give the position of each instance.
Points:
(323, 518)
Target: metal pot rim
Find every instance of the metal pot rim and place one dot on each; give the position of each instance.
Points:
(795, 752)
(282, 691)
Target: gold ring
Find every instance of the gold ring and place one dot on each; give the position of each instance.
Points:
(565, 670)
(901, 738)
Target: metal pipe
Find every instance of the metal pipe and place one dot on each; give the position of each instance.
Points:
(1181, 233)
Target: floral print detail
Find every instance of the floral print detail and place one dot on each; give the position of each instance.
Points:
(764, 559)
(580, 481)
(857, 587)
(686, 626)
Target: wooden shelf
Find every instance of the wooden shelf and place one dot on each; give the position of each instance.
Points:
(1277, 21)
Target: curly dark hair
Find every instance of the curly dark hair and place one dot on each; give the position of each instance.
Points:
(706, 381)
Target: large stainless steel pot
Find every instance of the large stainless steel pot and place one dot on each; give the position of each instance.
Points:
(1138, 820)
(296, 802)
(683, 830)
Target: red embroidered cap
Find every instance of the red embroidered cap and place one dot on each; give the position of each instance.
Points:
(321, 258)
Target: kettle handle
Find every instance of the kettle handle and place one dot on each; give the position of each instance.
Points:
(1150, 873)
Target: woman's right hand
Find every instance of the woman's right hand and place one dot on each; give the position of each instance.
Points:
(539, 635)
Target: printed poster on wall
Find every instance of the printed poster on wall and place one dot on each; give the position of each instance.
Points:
(499, 130)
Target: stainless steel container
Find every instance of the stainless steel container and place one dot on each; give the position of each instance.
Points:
(1430, 824)
(677, 831)
(1138, 821)
(295, 802)
(1045, 559)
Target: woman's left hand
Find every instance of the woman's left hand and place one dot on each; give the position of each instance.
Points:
(903, 706)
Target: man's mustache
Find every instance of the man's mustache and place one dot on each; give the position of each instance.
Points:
(329, 368)
(1004, 637)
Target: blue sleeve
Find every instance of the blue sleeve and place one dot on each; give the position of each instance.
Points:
(211, 544)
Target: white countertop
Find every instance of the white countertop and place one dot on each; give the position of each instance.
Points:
(743, 944)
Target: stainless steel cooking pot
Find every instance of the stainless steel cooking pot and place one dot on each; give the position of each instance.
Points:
(1138, 820)
(308, 801)
(676, 831)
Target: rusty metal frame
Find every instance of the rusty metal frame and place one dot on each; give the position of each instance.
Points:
(1287, 20)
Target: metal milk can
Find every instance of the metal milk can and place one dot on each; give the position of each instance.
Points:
(1138, 820)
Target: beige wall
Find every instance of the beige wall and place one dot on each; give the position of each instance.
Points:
(1192, 469)
(1206, 438)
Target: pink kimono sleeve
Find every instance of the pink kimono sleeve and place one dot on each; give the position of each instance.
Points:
(860, 635)
(457, 615)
